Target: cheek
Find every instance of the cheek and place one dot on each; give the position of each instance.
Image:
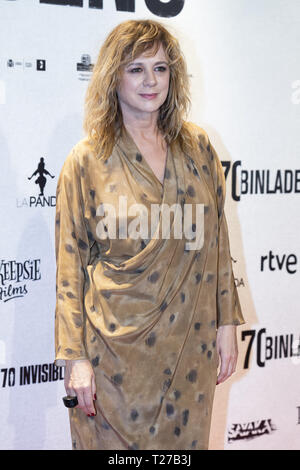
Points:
(131, 85)
(166, 83)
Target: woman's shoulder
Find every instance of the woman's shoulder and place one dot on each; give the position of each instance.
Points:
(81, 151)
(197, 132)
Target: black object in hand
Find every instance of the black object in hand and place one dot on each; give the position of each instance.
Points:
(70, 402)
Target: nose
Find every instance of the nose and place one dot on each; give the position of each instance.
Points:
(149, 78)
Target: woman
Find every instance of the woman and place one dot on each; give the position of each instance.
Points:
(141, 320)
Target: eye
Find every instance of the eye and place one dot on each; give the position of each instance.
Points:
(161, 68)
(135, 70)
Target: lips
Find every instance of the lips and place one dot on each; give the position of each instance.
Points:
(149, 96)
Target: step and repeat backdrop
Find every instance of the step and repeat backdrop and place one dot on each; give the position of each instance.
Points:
(243, 62)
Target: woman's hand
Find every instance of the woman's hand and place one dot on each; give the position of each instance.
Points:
(228, 351)
(80, 382)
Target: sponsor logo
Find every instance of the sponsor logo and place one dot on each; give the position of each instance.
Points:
(271, 347)
(238, 432)
(260, 181)
(283, 262)
(41, 64)
(15, 275)
(31, 374)
(41, 200)
(157, 7)
(238, 281)
(85, 67)
(26, 64)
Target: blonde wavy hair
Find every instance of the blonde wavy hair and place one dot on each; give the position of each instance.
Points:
(102, 114)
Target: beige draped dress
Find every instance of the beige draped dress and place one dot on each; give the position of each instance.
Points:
(143, 309)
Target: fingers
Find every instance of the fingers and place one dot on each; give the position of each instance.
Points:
(228, 366)
(85, 401)
(94, 388)
(85, 397)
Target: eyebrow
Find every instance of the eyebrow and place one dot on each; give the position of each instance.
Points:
(141, 63)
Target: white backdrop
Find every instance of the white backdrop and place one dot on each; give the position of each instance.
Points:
(244, 61)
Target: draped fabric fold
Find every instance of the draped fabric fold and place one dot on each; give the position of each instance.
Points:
(144, 278)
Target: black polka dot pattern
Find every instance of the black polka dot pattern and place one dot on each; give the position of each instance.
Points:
(191, 191)
(166, 385)
(150, 341)
(105, 425)
(117, 379)
(200, 397)
(205, 169)
(77, 320)
(82, 244)
(134, 414)
(71, 295)
(192, 375)
(169, 409)
(95, 361)
(154, 277)
(134, 446)
(185, 417)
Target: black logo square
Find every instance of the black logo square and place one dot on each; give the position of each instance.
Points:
(41, 64)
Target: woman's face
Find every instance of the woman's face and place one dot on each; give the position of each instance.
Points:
(144, 84)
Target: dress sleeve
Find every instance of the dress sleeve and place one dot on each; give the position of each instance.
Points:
(229, 310)
(72, 256)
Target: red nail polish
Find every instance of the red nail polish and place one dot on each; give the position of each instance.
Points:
(95, 397)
